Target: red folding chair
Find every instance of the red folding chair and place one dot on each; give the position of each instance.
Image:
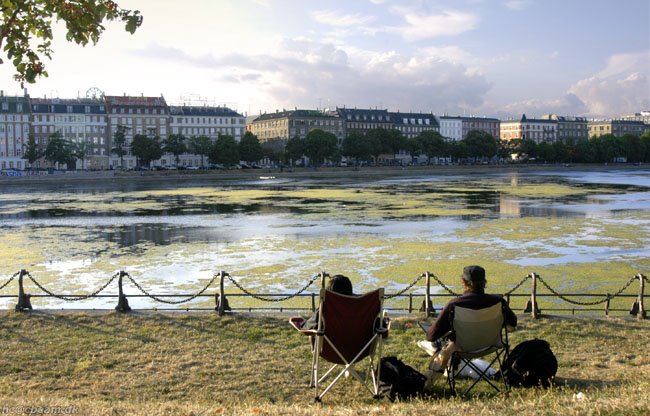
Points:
(350, 328)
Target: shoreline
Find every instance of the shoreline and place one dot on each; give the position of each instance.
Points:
(327, 172)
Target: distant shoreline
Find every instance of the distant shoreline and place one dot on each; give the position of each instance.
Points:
(387, 171)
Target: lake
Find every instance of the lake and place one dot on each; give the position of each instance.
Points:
(580, 230)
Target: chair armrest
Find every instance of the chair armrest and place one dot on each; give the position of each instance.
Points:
(297, 322)
(311, 332)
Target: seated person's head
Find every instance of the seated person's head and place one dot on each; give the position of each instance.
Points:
(340, 284)
(473, 278)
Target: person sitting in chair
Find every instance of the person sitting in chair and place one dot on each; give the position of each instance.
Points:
(337, 283)
(439, 340)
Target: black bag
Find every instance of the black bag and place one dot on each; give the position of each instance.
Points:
(530, 364)
(398, 380)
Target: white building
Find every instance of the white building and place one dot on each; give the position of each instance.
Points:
(81, 121)
(14, 131)
(451, 128)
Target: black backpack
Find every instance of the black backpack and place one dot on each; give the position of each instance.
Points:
(530, 364)
(398, 380)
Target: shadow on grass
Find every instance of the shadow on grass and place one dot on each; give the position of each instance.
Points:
(110, 328)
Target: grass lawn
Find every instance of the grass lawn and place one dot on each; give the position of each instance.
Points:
(202, 364)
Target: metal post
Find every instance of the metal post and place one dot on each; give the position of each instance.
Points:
(641, 312)
(122, 301)
(428, 309)
(607, 305)
(23, 298)
(531, 306)
(410, 302)
(313, 302)
(222, 303)
(323, 275)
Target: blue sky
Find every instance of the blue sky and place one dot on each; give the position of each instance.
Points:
(489, 58)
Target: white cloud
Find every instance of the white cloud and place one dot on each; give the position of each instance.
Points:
(622, 87)
(569, 104)
(420, 26)
(518, 4)
(303, 73)
(334, 18)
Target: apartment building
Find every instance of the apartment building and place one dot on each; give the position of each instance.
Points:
(451, 128)
(412, 124)
(569, 129)
(538, 130)
(14, 130)
(81, 121)
(206, 121)
(361, 120)
(281, 126)
(139, 115)
(618, 128)
(491, 126)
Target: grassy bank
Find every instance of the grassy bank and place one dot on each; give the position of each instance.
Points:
(200, 364)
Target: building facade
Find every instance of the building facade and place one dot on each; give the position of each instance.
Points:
(412, 124)
(361, 120)
(81, 122)
(618, 128)
(281, 126)
(491, 126)
(570, 129)
(14, 130)
(451, 128)
(139, 115)
(196, 121)
(537, 130)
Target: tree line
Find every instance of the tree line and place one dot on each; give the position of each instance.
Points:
(320, 146)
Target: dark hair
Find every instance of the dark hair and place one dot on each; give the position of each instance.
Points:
(474, 278)
(340, 284)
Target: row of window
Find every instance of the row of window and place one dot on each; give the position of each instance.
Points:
(68, 119)
(14, 117)
(122, 110)
(209, 120)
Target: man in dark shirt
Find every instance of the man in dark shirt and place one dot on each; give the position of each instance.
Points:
(474, 297)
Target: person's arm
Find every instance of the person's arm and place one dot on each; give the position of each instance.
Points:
(510, 317)
(441, 327)
(312, 323)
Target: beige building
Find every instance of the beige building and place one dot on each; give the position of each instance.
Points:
(281, 126)
(618, 128)
(537, 130)
(140, 115)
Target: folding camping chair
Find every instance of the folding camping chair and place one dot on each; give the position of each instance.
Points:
(350, 328)
(479, 333)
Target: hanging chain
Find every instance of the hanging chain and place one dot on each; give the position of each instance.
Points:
(510, 292)
(401, 292)
(272, 299)
(608, 297)
(170, 302)
(9, 281)
(444, 286)
(645, 278)
(73, 298)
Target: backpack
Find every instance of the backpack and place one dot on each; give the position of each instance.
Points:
(398, 380)
(530, 364)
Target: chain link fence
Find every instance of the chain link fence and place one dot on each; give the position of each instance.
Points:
(407, 291)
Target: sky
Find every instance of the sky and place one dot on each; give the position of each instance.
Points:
(494, 58)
